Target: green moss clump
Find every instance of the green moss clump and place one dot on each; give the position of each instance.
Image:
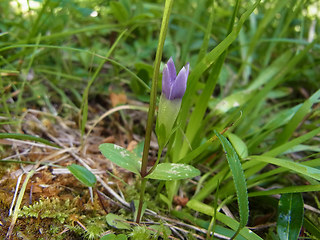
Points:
(49, 208)
(141, 232)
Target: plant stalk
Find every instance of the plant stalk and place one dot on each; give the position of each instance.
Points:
(153, 98)
(142, 191)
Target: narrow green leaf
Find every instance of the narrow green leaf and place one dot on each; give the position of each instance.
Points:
(117, 221)
(173, 171)
(294, 166)
(201, 105)
(288, 145)
(290, 216)
(26, 137)
(83, 175)
(291, 189)
(256, 167)
(223, 231)
(233, 224)
(311, 228)
(297, 119)
(238, 178)
(268, 73)
(121, 156)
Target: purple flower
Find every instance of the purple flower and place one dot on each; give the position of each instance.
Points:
(173, 86)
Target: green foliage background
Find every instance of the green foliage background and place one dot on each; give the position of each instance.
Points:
(257, 78)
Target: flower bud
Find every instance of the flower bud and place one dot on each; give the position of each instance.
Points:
(173, 89)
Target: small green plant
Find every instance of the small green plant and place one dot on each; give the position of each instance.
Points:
(173, 89)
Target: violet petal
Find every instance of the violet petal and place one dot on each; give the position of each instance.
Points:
(166, 81)
(179, 86)
(172, 70)
(187, 68)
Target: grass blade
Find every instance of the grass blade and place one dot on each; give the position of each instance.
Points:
(23, 137)
(233, 224)
(296, 167)
(291, 189)
(297, 119)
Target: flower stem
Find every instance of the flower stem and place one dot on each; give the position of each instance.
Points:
(153, 94)
(142, 191)
(153, 98)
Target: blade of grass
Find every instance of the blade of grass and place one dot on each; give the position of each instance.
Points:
(293, 166)
(275, 172)
(291, 189)
(233, 224)
(27, 137)
(286, 146)
(297, 119)
(269, 72)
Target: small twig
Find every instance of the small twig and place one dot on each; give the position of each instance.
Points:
(101, 202)
(18, 203)
(114, 202)
(15, 194)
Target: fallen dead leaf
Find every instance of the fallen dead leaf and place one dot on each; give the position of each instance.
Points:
(118, 99)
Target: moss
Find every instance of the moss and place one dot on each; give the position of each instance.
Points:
(95, 227)
(49, 208)
(53, 218)
(141, 232)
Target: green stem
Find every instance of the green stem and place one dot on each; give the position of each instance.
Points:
(153, 97)
(153, 94)
(142, 191)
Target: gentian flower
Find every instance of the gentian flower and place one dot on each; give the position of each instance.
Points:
(173, 89)
(173, 86)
